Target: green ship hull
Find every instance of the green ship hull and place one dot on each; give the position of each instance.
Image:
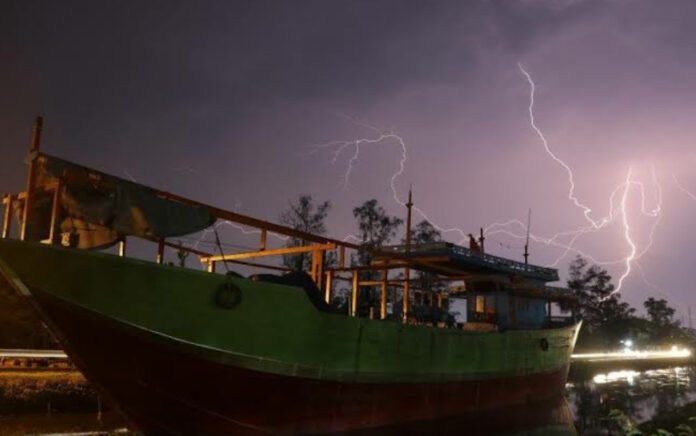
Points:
(175, 357)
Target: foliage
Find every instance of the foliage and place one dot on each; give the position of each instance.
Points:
(424, 233)
(306, 216)
(603, 313)
(375, 226)
(629, 428)
(376, 229)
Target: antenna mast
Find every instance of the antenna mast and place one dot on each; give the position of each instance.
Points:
(526, 245)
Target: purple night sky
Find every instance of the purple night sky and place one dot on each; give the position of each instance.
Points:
(226, 102)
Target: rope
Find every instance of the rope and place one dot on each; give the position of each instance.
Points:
(219, 245)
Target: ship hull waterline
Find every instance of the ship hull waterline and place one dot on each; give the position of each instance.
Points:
(164, 388)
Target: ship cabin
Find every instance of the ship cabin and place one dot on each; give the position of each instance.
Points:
(497, 293)
(437, 284)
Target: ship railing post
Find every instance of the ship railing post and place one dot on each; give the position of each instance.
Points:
(406, 303)
(31, 177)
(329, 283)
(7, 221)
(122, 244)
(383, 295)
(160, 251)
(317, 272)
(263, 240)
(54, 233)
(354, 294)
(211, 266)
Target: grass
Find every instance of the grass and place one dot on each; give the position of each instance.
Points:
(26, 391)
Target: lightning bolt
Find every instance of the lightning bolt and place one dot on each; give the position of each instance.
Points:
(627, 234)
(380, 138)
(596, 225)
(571, 179)
(619, 197)
(683, 189)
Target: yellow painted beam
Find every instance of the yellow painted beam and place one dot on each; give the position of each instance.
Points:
(265, 253)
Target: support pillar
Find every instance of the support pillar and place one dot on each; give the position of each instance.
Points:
(317, 272)
(383, 296)
(354, 294)
(7, 222)
(122, 247)
(160, 252)
(54, 232)
(329, 283)
(31, 177)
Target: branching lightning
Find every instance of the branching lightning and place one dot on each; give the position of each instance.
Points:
(596, 225)
(618, 198)
(380, 138)
(571, 179)
(683, 189)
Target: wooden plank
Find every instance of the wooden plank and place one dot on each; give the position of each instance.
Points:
(31, 176)
(122, 247)
(7, 220)
(160, 251)
(383, 296)
(260, 265)
(264, 237)
(54, 231)
(185, 248)
(275, 252)
(354, 294)
(257, 223)
(329, 284)
(318, 267)
(406, 298)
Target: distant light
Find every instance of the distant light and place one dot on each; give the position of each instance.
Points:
(628, 343)
(627, 354)
(615, 376)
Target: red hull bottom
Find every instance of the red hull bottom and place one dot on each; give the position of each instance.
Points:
(164, 391)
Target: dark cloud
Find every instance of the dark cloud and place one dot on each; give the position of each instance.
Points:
(237, 91)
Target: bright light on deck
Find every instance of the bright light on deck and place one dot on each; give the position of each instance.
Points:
(628, 354)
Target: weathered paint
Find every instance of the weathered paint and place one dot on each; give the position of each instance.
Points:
(275, 328)
(152, 338)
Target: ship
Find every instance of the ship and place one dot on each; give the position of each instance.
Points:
(209, 351)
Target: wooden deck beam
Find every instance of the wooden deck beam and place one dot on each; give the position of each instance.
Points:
(7, 220)
(54, 231)
(266, 253)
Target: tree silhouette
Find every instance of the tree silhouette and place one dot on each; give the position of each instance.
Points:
(376, 229)
(308, 217)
